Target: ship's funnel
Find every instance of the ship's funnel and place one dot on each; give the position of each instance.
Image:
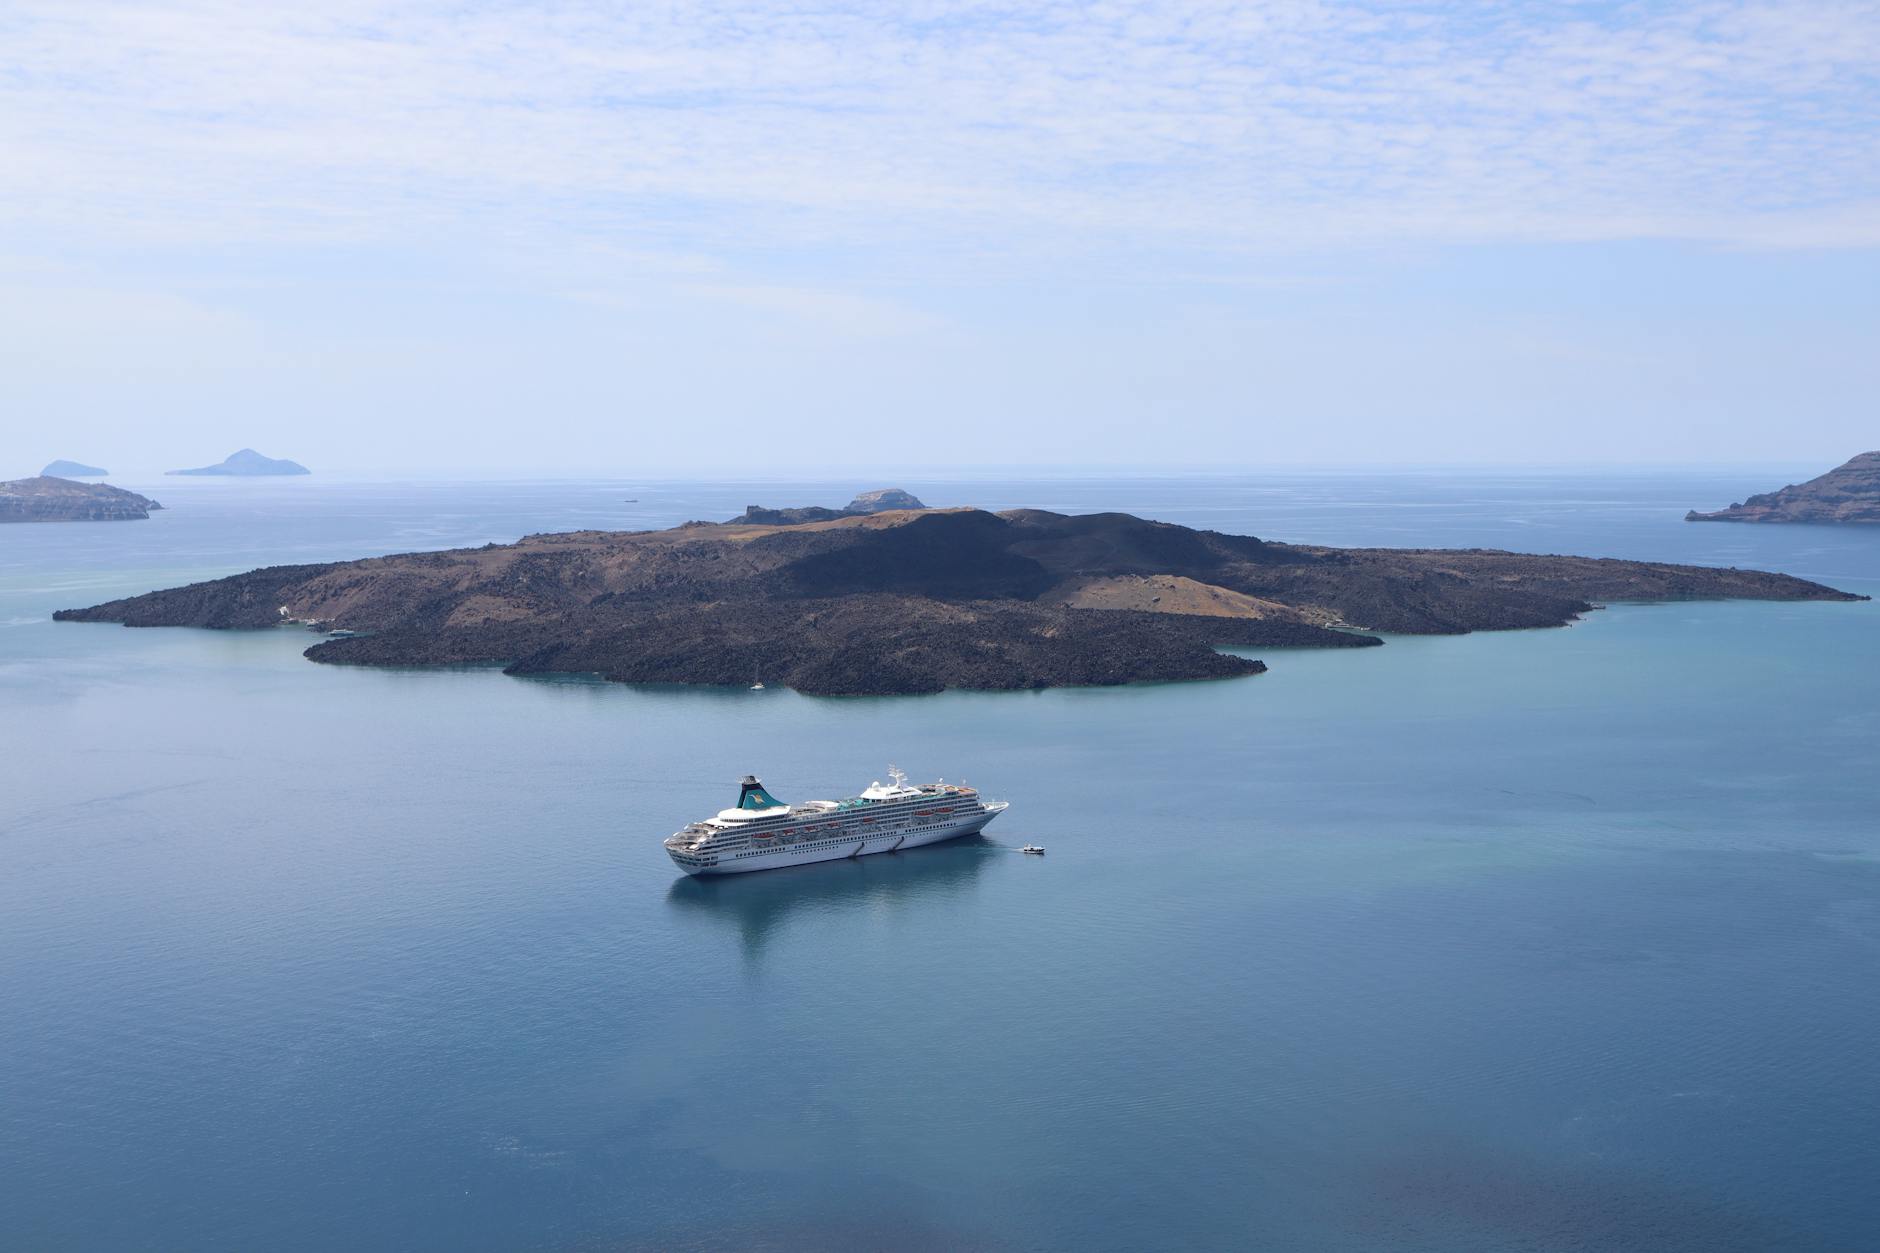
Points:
(753, 796)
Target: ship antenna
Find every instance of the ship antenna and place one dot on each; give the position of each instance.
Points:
(898, 775)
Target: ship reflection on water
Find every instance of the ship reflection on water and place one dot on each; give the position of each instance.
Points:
(760, 904)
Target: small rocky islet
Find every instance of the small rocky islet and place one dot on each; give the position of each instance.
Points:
(911, 600)
(63, 469)
(48, 498)
(245, 463)
(1849, 493)
(878, 501)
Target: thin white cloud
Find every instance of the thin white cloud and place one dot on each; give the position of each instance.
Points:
(941, 130)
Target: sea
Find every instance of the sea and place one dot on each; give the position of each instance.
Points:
(1560, 939)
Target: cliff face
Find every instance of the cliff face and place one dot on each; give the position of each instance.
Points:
(47, 499)
(1847, 493)
(910, 601)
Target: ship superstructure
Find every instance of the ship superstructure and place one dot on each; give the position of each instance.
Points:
(760, 832)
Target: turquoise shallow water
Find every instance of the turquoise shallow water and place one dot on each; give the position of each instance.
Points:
(1542, 940)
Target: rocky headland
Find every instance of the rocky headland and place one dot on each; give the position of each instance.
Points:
(63, 469)
(911, 601)
(49, 499)
(247, 463)
(1848, 493)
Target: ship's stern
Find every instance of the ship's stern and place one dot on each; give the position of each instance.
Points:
(688, 857)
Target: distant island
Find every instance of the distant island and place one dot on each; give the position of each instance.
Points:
(912, 600)
(248, 463)
(72, 470)
(882, 499)
(877, 501)
(1847, 493)
(50, 499)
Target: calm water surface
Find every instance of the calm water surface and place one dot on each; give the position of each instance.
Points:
(1543, 940)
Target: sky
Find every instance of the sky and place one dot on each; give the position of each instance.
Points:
(645, 239)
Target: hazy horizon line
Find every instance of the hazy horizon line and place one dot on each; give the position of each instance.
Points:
(882, 474)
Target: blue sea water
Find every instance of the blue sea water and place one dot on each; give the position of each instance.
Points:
(1547, 940)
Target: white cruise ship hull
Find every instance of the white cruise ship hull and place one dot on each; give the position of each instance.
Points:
(910, 834)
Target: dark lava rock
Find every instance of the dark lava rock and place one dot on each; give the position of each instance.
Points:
(758, 515)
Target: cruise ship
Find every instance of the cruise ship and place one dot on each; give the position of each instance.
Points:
(760, 832)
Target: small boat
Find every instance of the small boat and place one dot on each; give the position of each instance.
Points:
(1033, 848)
(757, 687)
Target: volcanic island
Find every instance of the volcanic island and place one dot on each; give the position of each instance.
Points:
(911, 600)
